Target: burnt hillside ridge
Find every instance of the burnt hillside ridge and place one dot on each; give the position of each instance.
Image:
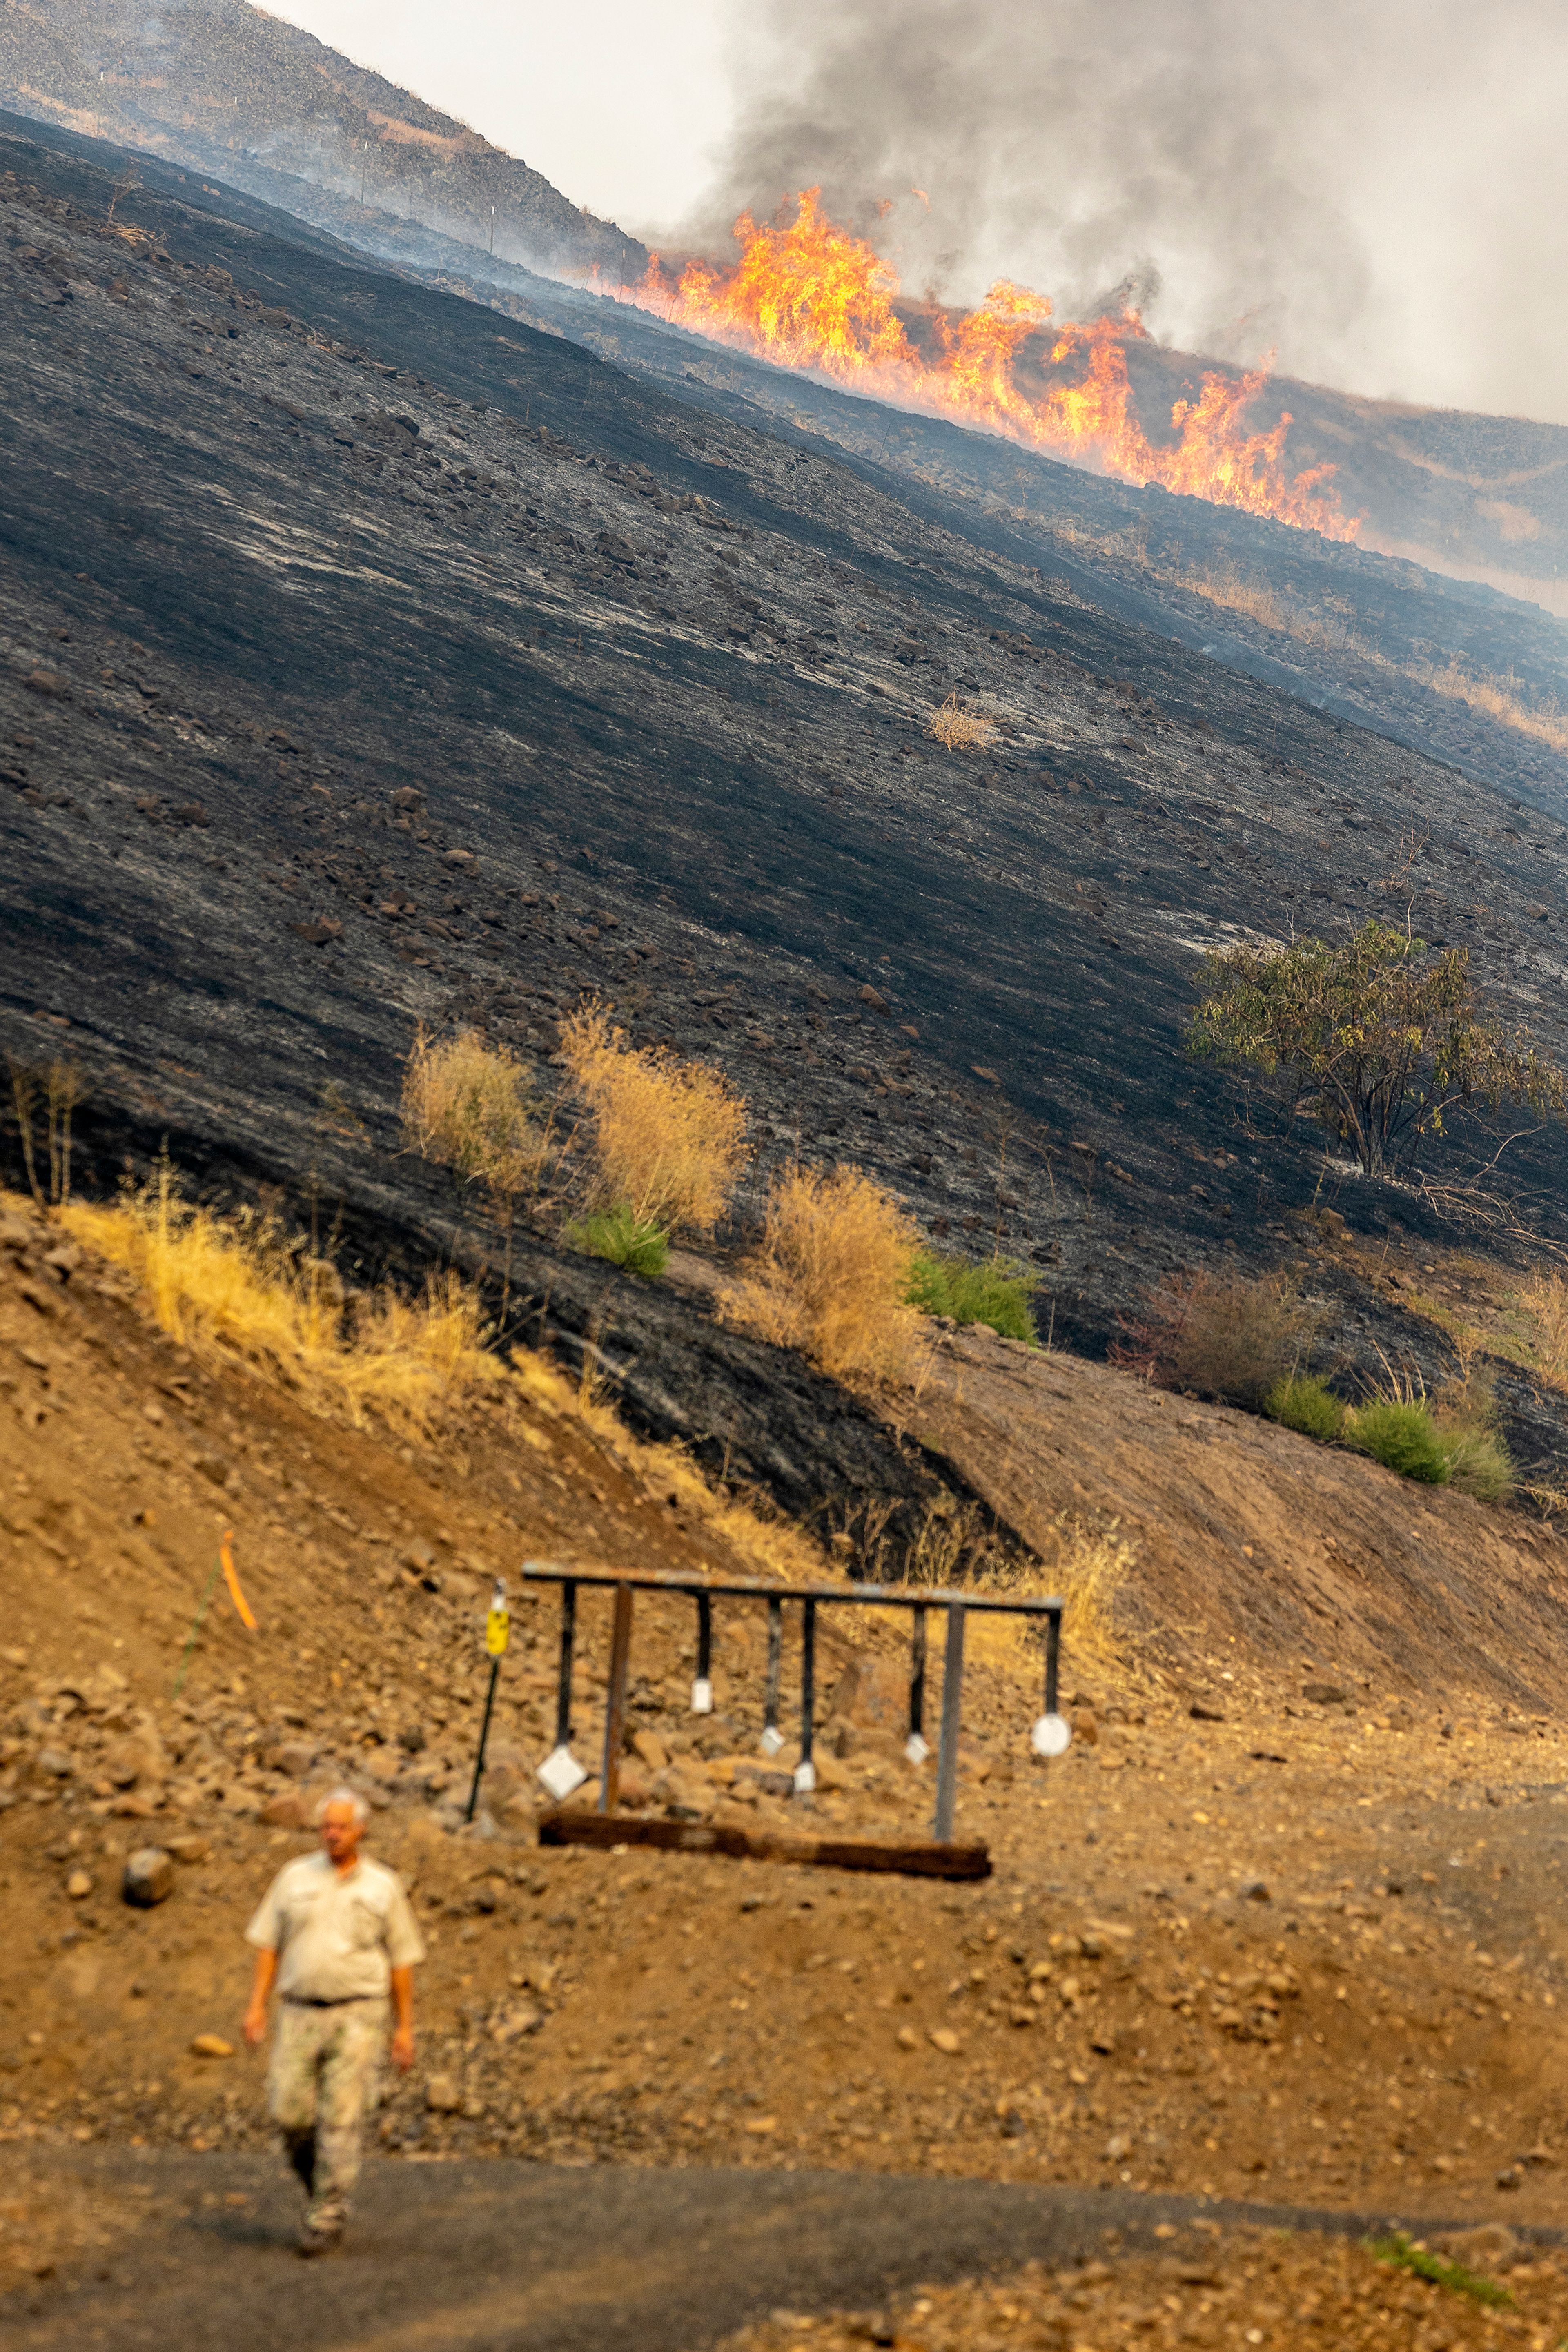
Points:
(1359, 632)
(369, 659)
(258, 104)
(233, 91)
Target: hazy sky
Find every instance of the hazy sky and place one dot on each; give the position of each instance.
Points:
(1377, 188)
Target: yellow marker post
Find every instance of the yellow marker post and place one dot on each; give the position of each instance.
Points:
(222, 1566)
(498, 1632)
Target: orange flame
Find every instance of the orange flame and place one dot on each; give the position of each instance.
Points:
(811, 295)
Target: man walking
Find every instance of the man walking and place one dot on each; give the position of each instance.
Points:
(336, 1932)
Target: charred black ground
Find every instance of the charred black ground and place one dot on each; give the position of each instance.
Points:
(370, 658)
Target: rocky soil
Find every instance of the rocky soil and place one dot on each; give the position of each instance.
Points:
(1300, 1936)
(1213, 2286)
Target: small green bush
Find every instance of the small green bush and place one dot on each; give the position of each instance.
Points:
(626, 1240)
(1306, 1402)
(1402, 1436)
(995, 1292)
(1479, 1463)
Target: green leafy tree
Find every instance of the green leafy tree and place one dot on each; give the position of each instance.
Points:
(1380, 1036)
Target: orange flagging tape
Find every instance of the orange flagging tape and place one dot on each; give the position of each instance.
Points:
(229, 1577)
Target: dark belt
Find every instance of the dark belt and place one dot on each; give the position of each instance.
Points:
(347, 2000)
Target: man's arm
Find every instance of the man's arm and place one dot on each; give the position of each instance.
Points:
(260, 1989)
(403, 2004)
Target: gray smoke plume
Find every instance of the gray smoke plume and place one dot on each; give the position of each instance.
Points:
(1381, 194)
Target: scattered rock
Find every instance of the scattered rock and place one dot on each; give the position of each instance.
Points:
(1254, 1890)
(944, 2038)
(78, 1884)
(1323, 1695)
(650, 1750)
(211, 2045)
(127, 1761)
(149, 1877)
(1085, 1727)
(908, 2038)
(56, 1763)
(291, 1811)
(214, 1467)
(188, 1850)
(1201, 1711)
(442, 2096)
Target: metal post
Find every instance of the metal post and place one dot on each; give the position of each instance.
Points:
(702, 1688)
(952, 1716)
(1053, 1657)
(805, 1771)
(918, 1676)
(484, 1736)
(771, 1740)
(616, 1697)
(564, 1686)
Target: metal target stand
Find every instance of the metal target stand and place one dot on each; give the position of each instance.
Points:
(562, 1774)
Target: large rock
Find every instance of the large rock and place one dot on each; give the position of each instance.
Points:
(149, 1877)
(130, 1760)
(869, 1707)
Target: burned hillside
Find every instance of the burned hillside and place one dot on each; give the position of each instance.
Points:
(372, 660)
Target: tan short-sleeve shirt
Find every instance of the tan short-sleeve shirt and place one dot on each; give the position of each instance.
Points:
(338, 1936)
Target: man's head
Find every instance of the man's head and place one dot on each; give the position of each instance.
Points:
(341, 1818)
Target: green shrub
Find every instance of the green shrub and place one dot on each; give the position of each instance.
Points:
(995, 1293)
(1437, 2270)
(1306, 1402)
(1402, 1435)
(1479, 1463)
(626, 1240)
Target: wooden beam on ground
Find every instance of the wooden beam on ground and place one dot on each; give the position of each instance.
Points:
(568, 1826)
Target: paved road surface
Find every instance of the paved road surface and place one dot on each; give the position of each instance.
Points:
(506, 2257)
(497, 2256)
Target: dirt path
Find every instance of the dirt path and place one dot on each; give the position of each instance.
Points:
(472, 2257)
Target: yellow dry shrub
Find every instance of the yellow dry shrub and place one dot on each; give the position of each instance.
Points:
(957, 730)
(236, 1290)
(831, 1274)
(669, 1136)
(469, 1106)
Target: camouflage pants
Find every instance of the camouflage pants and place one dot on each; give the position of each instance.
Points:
(321, 2084)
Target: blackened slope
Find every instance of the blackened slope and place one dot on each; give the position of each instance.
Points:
(315, 535)
(229, 89)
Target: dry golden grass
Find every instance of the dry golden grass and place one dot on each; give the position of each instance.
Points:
(1087, 1568)
(958, 729)
(240, 1290)
(830, 1274)
(237, 1292)
(55, 1089)
(1545, 1301)
(1500, 697)
(669, 1136)
(469, 1106)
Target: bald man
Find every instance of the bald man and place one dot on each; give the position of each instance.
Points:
(336, 1934)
